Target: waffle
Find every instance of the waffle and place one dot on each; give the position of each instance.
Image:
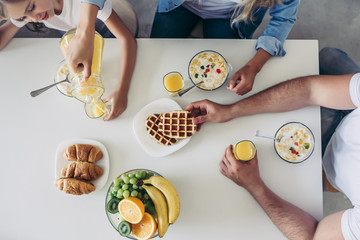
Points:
(152, 127)
(177, 124)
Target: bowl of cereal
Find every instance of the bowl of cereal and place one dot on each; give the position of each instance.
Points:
(211, 67)
(294, 142)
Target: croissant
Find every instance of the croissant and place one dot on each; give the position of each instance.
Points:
(82, 171)
(83, 153)
(74, 186)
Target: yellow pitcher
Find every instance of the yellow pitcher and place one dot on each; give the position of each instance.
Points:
(89, 91)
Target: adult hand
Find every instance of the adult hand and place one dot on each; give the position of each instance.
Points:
(243, 80)
(79, 54)
(118, 104)
(244, 174)
(208, 111)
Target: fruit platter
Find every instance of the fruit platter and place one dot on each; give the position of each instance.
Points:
(141, 204)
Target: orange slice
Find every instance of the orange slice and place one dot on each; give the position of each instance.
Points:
(146, 228)
(131, 209)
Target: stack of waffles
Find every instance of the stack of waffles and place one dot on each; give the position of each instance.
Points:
(168, 128)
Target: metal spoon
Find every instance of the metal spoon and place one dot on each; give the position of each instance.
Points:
(41, 90)
(189, 88)
(260, 134)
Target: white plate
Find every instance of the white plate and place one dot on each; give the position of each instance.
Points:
(150, 146)
(104, 163)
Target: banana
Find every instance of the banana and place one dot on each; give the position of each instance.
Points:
(161, 208)
(170, 193)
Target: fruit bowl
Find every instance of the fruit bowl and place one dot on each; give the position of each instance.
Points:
(211, 67)
(141, 204)
(295, 142)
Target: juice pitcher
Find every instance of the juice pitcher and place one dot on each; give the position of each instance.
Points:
(89, 91)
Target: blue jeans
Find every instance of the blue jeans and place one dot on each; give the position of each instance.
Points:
(333, 61)
(179, 22)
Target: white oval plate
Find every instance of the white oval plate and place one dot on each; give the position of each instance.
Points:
(104, 163)
(150, 146)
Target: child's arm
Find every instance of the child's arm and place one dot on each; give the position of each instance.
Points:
(7, 32)
(80, 50)
(127, 63)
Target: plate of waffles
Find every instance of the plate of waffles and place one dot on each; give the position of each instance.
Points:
(162, 127)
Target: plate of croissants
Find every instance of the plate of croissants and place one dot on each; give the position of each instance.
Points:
(81, 166)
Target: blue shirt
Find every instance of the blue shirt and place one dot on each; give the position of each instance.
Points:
(99, 3)
(283, 17)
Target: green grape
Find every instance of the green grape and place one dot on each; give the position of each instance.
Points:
(116, 182)
(143, 174)
(140, 195)
(115, 189)
(141, 188)
(125, 187)
(146, 196)
(133, 180)
(126, 193)
(126, 180)
(149, 174)
(134, 193)
(120, 193)
(130, 175)
(138, 175)
(134, 186)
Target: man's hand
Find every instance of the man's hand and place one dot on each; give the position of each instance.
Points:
(244, 174)
(208, 111)
(118, 102)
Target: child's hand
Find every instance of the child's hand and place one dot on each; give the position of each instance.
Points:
(243, 80)
(79, 54)
(119, 103)
(208, 111)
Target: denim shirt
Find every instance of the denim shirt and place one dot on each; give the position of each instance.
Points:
(283, 17)
(99, 3)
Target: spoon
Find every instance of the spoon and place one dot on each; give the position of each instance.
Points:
(41, 90)
(189, 88)
(260, 134)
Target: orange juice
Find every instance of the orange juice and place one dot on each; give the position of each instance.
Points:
(244, 150)
(173, 82)
(98, 49)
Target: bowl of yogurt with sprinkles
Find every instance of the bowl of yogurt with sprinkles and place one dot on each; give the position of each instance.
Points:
(294, 142)
(211, 67)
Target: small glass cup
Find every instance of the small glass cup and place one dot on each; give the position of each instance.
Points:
(173, 82)
(97, 109)
(87, 91)
(244, 150)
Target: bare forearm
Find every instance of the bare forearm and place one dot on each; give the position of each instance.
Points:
(286, 96)
(88, 13)
(127, 64)
(259, 60)
(293, 222)
(7, 32)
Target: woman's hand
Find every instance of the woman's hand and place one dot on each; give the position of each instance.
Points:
(243, 80)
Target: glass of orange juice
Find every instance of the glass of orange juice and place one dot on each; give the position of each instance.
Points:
(244, 150)
(173, 82)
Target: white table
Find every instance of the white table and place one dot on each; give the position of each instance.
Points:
(212, 207)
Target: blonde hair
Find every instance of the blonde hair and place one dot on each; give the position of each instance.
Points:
(244, 10)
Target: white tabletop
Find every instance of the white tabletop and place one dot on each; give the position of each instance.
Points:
(212, 207)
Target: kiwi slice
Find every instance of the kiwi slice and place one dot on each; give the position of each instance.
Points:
(112, 205)
(124, 228)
